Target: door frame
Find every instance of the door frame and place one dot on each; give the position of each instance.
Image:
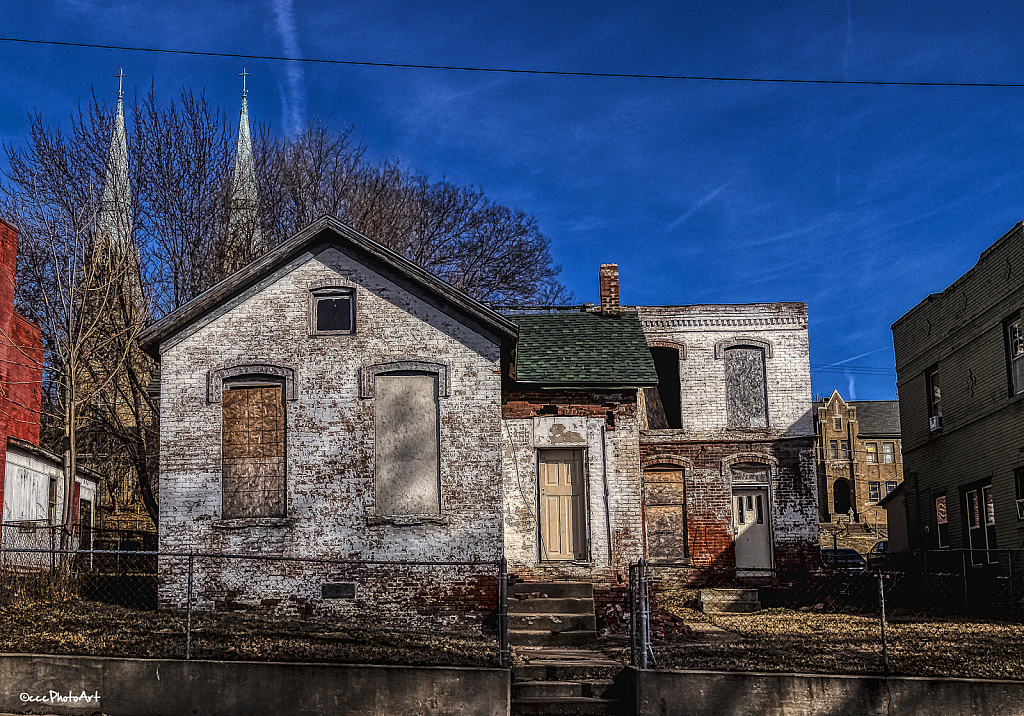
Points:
(584, 501)
(770, 464)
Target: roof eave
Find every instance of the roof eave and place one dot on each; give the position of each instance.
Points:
(151, 338)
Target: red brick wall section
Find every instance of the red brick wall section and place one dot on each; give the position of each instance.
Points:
(709, 495)
(24, 380)
(588, 404)
(609, 285)
(21, 353)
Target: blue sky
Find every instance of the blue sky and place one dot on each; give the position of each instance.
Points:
(858, 200)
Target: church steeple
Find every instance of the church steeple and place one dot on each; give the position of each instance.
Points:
(244, 240)
(115, 216)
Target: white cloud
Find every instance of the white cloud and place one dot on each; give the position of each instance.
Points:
(293, 95)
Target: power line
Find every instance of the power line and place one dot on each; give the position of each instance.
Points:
(866, 370)
(507, 70)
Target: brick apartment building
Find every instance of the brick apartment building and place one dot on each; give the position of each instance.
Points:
(960, 373)
(857, 443)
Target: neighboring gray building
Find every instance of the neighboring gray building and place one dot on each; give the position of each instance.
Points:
(330, 400)
(960, 373)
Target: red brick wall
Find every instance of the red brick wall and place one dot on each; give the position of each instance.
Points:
(583, 403)
(21, 352)
(709, 495)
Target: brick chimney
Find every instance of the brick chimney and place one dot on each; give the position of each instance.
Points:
(609, 280)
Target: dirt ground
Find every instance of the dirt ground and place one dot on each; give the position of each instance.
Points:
(769, 640)
(812, 641)
(96, 629)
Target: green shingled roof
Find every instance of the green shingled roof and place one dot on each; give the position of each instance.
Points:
(578, 349)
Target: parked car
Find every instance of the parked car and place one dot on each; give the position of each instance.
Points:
(844, 560)
(878, 557)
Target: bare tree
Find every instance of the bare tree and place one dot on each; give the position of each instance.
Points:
(91, 302)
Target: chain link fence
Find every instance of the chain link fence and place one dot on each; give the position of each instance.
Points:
(944, 613)
(59, 597)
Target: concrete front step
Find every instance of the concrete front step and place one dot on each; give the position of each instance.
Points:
(553, 590)
(729, 600)
(550, 606)
(549, 637)
(576, 705)
(553, 622)
(565, 665)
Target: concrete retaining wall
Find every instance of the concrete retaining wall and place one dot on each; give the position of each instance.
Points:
(682, 693)
(150, 687)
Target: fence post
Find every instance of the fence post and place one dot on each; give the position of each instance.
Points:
(642, 625)
(1009, 560)
(885, 651)
(188, 622)
(503, 655)
(963, 553)
(633, 656)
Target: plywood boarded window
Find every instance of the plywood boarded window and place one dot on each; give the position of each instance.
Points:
(407, 468)
(746, 399)
(253, 470)
(665, 508)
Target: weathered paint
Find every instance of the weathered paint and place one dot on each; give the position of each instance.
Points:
(331, 509)
(723, 406)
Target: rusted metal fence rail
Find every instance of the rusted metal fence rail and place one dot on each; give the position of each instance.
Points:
(948, 613)
(207, 605)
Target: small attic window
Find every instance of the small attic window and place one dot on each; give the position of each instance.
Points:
(332, 311)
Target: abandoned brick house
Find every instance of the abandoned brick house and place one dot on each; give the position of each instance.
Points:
(332, 400)
(859, 458)
(727, 444)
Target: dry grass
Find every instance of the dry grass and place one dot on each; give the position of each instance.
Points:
(785, 640)
(96, 629)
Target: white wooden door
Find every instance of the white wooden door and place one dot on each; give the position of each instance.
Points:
(750, 521)
(562, 518)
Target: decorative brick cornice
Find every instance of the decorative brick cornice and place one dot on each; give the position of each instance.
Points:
(368, 372)
(750, 457)
(738, 341)
(664, 460)
(722, 322)
(216, 378)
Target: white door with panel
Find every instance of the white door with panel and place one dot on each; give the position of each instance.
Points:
(562, 505)
(751, 529)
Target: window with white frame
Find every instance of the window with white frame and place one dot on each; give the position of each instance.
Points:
(980, 508)
(942, 525)
(871, 452)
(888, 453)
(1015, 346)
(332, 311)
(874, 491)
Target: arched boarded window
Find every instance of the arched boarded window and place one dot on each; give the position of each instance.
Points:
(406, 444)
(746, 398)
(253, 447)
(841, 497)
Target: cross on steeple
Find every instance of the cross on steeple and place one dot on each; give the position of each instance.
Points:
(120, 78)
(243, 75)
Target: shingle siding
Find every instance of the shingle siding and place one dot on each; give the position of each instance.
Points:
(961, 332)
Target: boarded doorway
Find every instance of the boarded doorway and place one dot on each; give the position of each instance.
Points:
(562, 505)
(750, 521)
(665, 510)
